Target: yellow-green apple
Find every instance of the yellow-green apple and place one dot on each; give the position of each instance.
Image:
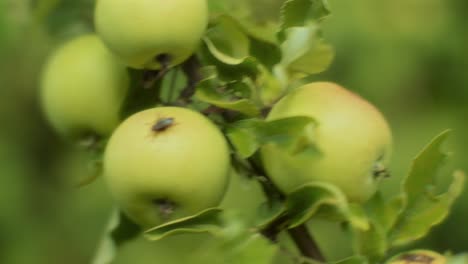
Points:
(83, 88)
(352, 135)
(165, 163)
(151, 34)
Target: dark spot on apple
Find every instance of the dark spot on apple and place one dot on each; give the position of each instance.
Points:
(417, 258)
(165, 207)
(163, 124)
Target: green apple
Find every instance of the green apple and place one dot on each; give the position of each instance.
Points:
(83, 88)
(352, 135)
(419, 256)
(165, 163)
(151, 34)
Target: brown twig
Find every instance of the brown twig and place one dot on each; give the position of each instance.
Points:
(300, 234)
(191, 68)
(306, 243)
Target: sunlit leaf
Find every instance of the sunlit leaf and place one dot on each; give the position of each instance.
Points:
(425, 213)
(383, 211)
(353, 260)
(227, 41)
(304, 50)
(306, 201)
(231, 96)
(371, 243)
(422, 207)
(270, 88)
(295, 134)
(228, 68)
(207, 221)
(254, 249)
(297, 13)
(238, 45)
(316, 60)
(424, 169)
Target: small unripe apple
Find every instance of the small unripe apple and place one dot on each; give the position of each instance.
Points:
(419, 256)
(352, 135)
(83, 88)
(151, 34)
(165, 163)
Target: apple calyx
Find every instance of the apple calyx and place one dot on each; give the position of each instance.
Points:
(165, 207)
(380, 171)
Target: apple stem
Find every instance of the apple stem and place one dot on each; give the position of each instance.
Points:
(150, 77)
(191, 68)
(306, 243)
(301, 235)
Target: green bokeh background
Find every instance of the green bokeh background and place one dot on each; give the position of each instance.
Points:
(409, 57)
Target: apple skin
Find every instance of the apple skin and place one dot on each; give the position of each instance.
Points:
(421, 256)
(352, 135)
(83, 88)
(186, 165)
(138, 31)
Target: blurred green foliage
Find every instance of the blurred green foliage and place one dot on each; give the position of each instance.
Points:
(409, 57)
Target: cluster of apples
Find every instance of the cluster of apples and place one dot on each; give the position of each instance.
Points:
(168, 162)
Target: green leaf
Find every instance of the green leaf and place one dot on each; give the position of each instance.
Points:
(254, 249)
(235, 39)
(423, 170)
(229, 68)
(371, 243)
(172, 85)
(297, 13)
(353, 260)
(264, 45)
(216, 7)
(267, 53)
(43, 9)
(209, 220)
(238, 45)
(304, 51)
(295, 134)
(427, 212)
(422, 208)
(233, 96)
(306, 201)
(318, 58)
(270, 88)
(458, 259)
(118, 231)
(268, 212)
(384, 212)
(228, 41)
(243, 137)
(93, 150)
